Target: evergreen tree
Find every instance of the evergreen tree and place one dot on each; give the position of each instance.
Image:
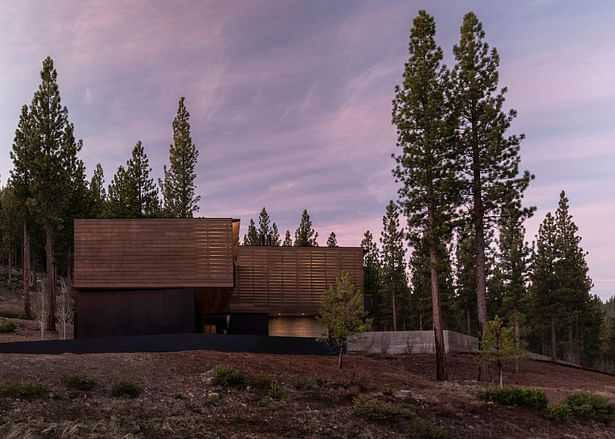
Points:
(427, 164)
(288, 242)
(394, 282)
(571, 271)
(117, 205)
(305, 236)
(275, 235)
(251, 238)
(332, 240)
(371, 279)
(465, 277)
(142, 193)
(420, 294)
(10, 224)
(98, 195)
(264, 228)
(22, 155)
(178, 186)
(53, 147)
(545, 300)
(512, 268)
(491, 158)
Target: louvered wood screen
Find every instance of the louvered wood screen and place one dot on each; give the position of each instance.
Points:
(290, 280)
(153, 253)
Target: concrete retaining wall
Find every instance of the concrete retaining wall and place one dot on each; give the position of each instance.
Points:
(408, 342)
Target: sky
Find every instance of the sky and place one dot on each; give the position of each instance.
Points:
(290, 101)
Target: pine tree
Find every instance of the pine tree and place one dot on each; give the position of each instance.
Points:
(512, 268)
(332, 240)
(545, 300)
(305, 236)
(465, 277)
(10, 224)
(178, 186)
(53, 146)
(275, 235)
(371, 279)
(142, 192)
(117, 205)
(394, 282)
(288, 242)
(251, 238)
(22, 155)
(571, 271)
(264, 229)
(491, 158)
(98, 195)
(427, 164)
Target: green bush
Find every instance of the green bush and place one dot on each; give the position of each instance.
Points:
(559, 414)
(24, 389)
(426, 430)
(530, 397)
(304, 383)
(126, 388)
(213, 399)
(8, 326)
(259, 381)
(372, 409)
(275, 390)
(227, 377)
(589, 406)
(79, 382)
(10, 314)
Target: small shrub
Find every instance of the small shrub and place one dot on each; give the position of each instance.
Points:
(372, 409)
(213, 399)
(8, 326)
(275, 390)
(559, 414)
(427, 430)
(589, 406)
(126, 388)
(10, 314)
(304, 383)
(79, 382)
(259, 381)
(227, 377)
(24, 389)
(530, 397)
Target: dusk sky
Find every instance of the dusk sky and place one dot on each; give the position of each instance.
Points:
(291, 100)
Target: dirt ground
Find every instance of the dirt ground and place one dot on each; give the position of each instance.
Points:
(177, 400)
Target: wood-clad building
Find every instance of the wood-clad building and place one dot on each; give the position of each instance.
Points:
(143, 276)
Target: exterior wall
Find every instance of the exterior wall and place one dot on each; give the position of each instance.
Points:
(153, 253)
(290, 280)
(409, 342)
(295, 327)
(104, 313)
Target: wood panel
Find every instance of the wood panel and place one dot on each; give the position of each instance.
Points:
(153, 253)
(290, 280)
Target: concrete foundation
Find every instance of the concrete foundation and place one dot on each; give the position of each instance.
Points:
(408, 342)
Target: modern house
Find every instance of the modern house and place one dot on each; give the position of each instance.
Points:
(149, 276)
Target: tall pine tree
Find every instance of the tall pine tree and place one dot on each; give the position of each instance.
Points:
(491, 157)
(98, 195)
(251, 238)
(371, 279)
(178, 185)
(427, 164)
(288, 241)
(332, 240)
(305, 236)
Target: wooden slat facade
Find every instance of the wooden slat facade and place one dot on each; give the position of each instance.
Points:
(154, 253)
(290, 280)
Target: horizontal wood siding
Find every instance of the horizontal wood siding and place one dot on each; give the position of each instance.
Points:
(295, 327)
(290, 280)
(153, 253)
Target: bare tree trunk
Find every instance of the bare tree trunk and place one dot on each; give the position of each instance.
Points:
(394, 312)
(553, 338)
(420, 321)
(441, 372)
(468, 321)
(26, 273)
(481, 276)
(69, 273)
(578, 339)
(571, 348)
(10, 269)
(51, 325)
(339, 360)
(517, 339)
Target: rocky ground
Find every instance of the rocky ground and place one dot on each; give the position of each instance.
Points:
(178, 400)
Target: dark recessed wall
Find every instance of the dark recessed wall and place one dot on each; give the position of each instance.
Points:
(103, 313)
